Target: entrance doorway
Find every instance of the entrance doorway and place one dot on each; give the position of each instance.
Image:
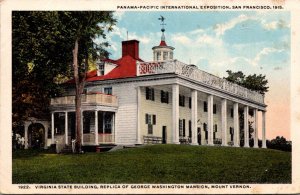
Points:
(199, 135)
(36, 135)
(164, 134)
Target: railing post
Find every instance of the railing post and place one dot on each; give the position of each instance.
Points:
(137, 68)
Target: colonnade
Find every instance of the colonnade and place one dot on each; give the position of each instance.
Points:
(210, 101)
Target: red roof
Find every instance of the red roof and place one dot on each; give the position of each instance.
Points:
(163, 43)
(126, 67)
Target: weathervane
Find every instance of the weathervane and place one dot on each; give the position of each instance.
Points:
(163, 27)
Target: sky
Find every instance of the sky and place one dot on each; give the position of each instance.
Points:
(251, 42)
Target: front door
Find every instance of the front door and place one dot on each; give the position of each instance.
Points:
(164, 134)
(199, 135)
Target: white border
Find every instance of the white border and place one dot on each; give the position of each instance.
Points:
(5, 88)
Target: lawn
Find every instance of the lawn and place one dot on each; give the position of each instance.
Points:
(155, 164)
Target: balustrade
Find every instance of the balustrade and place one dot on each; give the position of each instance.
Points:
(177, 67)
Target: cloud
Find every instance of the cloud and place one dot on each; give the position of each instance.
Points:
(277, 68)
(220, 29)
(264, 52)
(274, 25)
(183, 39)
(119, 15)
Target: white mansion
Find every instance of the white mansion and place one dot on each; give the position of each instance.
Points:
(129, 101)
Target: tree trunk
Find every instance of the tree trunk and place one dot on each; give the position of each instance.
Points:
(79, 89)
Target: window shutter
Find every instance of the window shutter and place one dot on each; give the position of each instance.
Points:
(154, 119)
(190, 128)
(183, 124)
(205, 106)
(147, 93)
(153, 94)
(146, 118)
(167, 95)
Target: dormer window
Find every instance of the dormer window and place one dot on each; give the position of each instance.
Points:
(104, 67)
(100, 71)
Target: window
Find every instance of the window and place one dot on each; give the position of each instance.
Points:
(165, 55)
(215, 109)
(101, 68)
(108, 90)
(231, 112)
(149, 93)
(215, 130)
(150, 129)
(205, 106)
(150, 120)
(182, 127)
(190, 102)
(107, 122)
(205, 130)
(164, 96)
(171, 55)
(158, 56)
(181, 100)
(87, 116)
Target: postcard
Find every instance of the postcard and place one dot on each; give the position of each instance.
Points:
(152, 97)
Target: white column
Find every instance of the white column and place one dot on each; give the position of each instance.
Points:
(138, 128)
(52, 128)
(66, 127)
(46, 126)
(194, 117)
(210, 122)
(26, 135)
(264, 129)
(81, 127)
(246, 127)
(96, 127)
(175, 113)
(236, 125)
(113, 127)
(255, 128)
(224, 122)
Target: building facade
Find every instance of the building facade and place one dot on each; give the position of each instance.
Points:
(130, 101)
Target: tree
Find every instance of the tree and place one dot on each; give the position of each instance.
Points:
(253, 82)
(38, 56)
(280, 143)
(59, 42)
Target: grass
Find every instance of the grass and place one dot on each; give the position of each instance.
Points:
(155, 164)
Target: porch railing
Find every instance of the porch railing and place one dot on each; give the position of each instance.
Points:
(106, 138)
(191, 72)
(102, 99)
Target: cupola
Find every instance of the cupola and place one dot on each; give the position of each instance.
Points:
(162, 52)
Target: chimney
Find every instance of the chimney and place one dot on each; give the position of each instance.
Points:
(131, 48)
